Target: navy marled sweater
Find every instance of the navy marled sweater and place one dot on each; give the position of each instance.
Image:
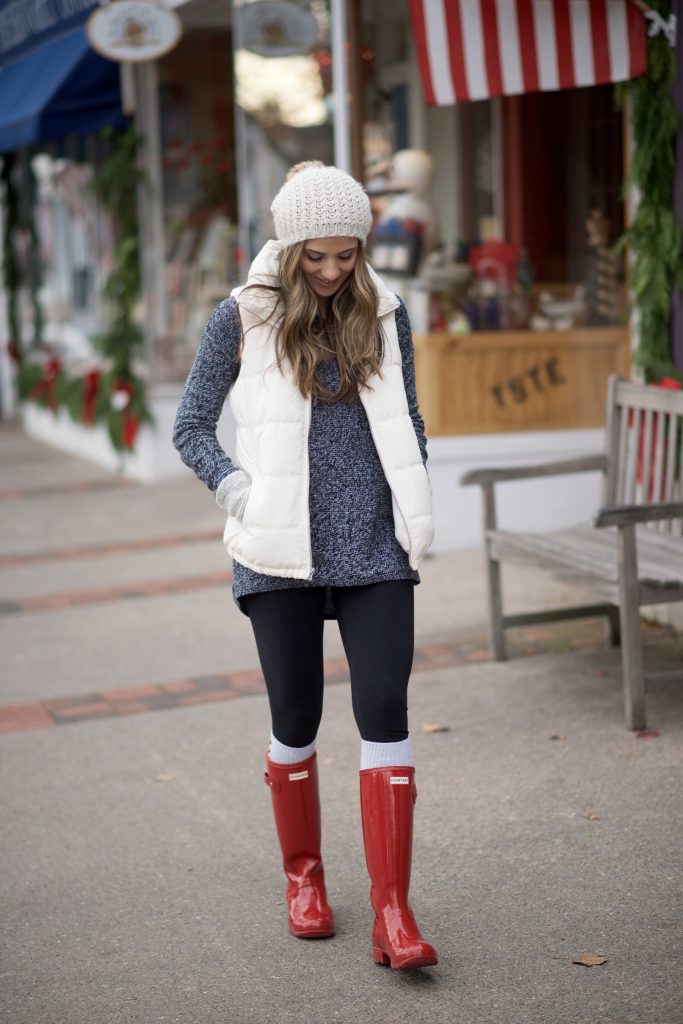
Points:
(352, 525)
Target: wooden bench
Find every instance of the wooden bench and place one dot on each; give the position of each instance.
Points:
(631, 553)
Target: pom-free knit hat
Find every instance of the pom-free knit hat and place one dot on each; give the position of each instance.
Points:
(320, 202)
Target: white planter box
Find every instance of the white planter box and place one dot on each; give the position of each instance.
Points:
(154, 457)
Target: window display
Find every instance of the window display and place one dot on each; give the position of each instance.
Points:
(518, 299)
(198, 191)
(283, 76)
(76, 238)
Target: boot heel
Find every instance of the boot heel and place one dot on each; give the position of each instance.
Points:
(380, 956)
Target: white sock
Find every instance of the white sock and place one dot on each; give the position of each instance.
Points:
(386, 755)
(280, 753)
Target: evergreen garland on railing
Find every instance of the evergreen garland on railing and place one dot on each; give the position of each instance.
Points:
(11, 272)
(654, 237)
(34, 258)
(120, 399)
(18, 219)
(115, 186)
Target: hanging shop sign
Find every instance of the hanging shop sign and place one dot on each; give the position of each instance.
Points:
(133, 31)
(276, 28)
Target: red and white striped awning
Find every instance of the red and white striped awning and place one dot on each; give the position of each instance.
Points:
(474, 49)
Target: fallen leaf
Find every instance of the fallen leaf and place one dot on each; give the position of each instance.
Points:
(435, 727)
(590, 959)
(592, 817)
(164, 778)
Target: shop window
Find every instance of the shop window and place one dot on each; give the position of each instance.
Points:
(477, 156)
(532, 287)
(565, 157)
(76, 244)
(545, 261)
(198, 188)
(283, 76)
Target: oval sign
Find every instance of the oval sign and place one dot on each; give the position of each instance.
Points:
(276, 28)
(132, 31)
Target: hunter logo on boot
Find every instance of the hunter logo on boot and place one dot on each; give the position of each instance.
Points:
(297, 776)
(399, 780)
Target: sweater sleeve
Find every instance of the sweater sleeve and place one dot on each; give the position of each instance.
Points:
(405, 341)
(214, 371)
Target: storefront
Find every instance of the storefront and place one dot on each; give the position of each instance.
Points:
(55, 95)
(223, 116)
(518, 303)
(247, 91)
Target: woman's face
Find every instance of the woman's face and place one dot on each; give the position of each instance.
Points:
(326, 263)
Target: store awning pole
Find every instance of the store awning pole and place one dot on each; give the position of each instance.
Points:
(340, 86)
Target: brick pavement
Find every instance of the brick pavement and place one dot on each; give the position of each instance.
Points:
(97, 595)
(65, 487)
(102, 550)
(180, 693)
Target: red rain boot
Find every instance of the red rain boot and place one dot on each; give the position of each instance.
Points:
(296, 806)
(387, 796)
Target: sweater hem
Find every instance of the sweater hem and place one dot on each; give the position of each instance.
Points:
(410, 576)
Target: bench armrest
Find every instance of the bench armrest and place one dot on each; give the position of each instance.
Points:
(582, 464)
(627, 515)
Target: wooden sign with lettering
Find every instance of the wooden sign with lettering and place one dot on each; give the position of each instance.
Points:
(498, 382)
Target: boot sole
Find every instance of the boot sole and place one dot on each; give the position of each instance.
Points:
(384, 960)
(313, 935)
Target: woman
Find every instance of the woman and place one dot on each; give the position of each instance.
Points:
(328, 515)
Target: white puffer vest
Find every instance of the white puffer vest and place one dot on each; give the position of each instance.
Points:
(273, 420)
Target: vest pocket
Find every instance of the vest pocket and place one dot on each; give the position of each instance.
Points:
(234, 524)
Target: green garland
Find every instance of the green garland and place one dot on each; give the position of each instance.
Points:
(34, 258)
(116, 188)
(11, 272)
(14, 275)
(654, 237)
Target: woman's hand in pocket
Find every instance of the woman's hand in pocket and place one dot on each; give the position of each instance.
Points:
(233, 493)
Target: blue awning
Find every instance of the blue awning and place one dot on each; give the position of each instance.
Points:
(56, 89)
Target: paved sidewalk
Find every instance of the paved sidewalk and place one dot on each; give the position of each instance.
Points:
(140, 876)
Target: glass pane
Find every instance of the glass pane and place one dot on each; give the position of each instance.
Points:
(76, 238)
(283, 74)
(198, 188)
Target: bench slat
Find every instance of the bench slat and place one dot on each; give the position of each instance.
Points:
(635, 396)
(624, 515)
(659, 458)
(670, 460)
(584, 551)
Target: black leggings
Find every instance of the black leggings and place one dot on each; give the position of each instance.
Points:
(376, 623)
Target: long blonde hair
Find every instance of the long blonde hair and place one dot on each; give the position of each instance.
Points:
(350, 331)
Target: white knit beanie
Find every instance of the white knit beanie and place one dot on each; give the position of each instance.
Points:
(320, 202)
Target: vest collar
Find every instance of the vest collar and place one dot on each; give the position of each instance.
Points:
(263, 271)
